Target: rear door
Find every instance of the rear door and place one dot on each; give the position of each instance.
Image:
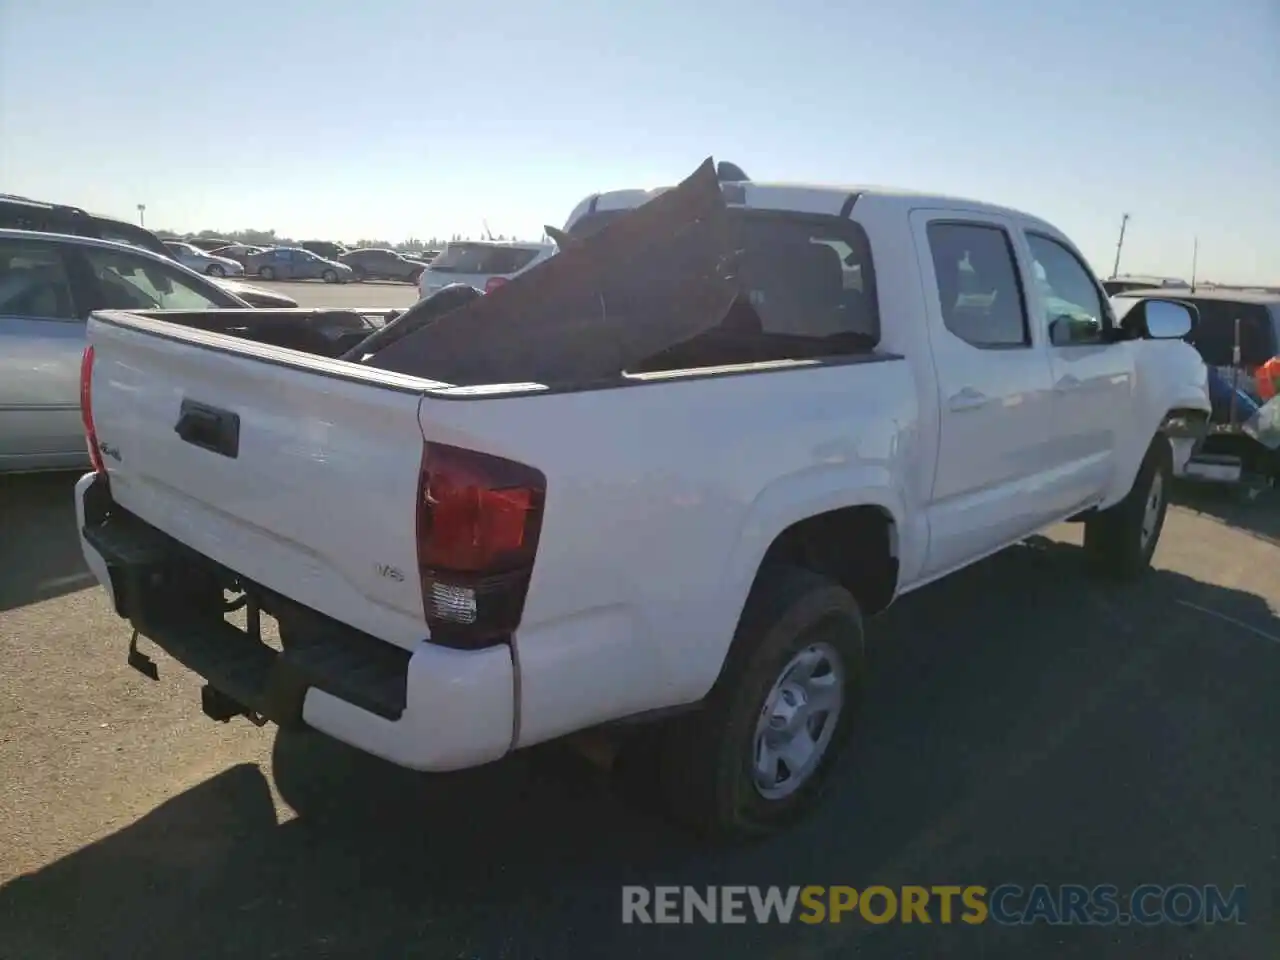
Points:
(42, 338)
(995, 389)
(284, 262)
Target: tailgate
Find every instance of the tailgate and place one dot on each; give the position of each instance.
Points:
(295, 472)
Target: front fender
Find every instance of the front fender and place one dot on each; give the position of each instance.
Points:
(1170, 379)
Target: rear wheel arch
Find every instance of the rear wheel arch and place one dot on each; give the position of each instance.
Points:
(855, 546)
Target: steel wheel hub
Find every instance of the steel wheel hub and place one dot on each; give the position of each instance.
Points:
(797, 721)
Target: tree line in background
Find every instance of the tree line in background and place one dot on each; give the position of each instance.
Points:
(269, 238)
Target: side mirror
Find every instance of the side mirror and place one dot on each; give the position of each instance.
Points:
(1162, 319)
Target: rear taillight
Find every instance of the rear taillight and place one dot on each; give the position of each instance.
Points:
(494, 283)
(86, 411)
(479, 518)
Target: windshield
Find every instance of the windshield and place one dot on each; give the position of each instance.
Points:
(482, 258)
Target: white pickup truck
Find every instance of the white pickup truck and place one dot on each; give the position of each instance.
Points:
(661, 477)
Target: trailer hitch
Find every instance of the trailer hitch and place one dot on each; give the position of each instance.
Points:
(218, 706)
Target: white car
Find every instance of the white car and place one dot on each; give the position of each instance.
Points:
(201, 261)
(668, 492)
(484, 264)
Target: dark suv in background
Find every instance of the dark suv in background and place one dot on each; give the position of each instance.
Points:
(22, 213)
(374, 264)
(325, 249)
(19, 213)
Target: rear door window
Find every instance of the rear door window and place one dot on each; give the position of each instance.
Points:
(807, 277)
(979, 287)
(34, 281)
(482, 259)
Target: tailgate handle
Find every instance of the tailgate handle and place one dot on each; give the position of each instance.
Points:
(217, 431)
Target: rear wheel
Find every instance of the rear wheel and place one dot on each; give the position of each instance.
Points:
(1119, 542)
(266, 273)
(216, 270)
(758, 753)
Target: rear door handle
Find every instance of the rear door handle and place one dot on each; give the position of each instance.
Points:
(1067, 383)
(968, 399)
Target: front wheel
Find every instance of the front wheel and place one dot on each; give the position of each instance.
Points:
(757, 754)
(266, 273)
(1120, 541)
(329, 276)
(216, 270)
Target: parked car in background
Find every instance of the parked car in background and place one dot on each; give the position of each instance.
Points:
(1117, 285)
(202, 261)
(207, 243)
(374, 264)
(481, 263)
(294, 263)
(48, 285)
(324, 248)
(1258, 317)
(237, 251)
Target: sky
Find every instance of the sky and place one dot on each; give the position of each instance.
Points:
(392, 119)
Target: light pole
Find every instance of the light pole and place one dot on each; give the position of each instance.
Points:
(1115, 271)
(142, 214)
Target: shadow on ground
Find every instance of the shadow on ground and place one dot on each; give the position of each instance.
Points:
(1258, 516)
(1022, 727)
(39, 548)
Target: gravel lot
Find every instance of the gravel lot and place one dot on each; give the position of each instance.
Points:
(1024, 725)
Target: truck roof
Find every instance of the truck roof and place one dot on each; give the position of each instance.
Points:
(521, 244)
(1225, 294)
(800, 197)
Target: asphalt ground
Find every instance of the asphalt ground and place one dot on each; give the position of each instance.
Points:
(1023, 725)
(316, 293)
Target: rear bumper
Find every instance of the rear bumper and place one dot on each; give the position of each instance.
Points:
(434, 708)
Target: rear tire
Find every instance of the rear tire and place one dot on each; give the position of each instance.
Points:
(266, 273)
(757, 754)
(1120, 541)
